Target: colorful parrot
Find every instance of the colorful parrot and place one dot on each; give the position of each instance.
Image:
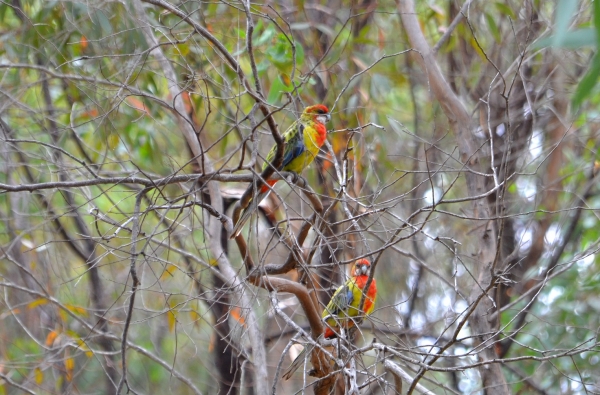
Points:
(303, 139)
(343, 308)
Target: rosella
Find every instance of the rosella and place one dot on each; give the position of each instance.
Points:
(344, 307)
(303, 139)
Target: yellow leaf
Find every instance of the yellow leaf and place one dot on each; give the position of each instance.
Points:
(184, 49)
(77, 310)
(172, 319)
(212, 262)
(63, 315)
(89, 354)
(477, 48)
(69, 365)
(39, 375)
(82, 346)
(113, 141)
(169, 272)
(36, 303)
(194, 316)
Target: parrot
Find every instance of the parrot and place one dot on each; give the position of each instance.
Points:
(303, 139)
(343, 308)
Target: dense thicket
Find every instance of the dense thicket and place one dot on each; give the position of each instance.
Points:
(461, 160)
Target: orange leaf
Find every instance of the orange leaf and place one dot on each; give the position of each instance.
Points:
(187, 102)
(136, 103)
(327, 163)
(213, 340)
(51, 337)
(83, 43)
(93, 113)
(236, 314)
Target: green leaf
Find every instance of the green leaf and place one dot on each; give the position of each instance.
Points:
(588, 82)
(493, 27)
(265, 36)
(102, 23)
(564, 12)
(597, 20)
(506, 10)
(277, 87)
(571, 40)
(299, 54)
(3, 8)
(281, 55)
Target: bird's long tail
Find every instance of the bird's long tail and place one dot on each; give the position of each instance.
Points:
(299, 361)
(252, 207)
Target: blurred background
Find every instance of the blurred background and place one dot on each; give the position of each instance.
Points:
(95, 99)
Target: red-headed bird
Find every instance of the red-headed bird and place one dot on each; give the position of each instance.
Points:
(303, 139)
(343, 307)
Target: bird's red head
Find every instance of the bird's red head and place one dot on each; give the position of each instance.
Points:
(361, 267)
(318, 113)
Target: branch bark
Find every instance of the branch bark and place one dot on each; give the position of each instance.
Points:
(214, 228)
(460, 122)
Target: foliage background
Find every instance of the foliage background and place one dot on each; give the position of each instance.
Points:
(96, 97)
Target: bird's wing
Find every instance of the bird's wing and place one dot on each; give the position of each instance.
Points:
(341, 300)
(294, 145)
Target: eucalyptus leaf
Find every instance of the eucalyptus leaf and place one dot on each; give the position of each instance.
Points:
(571, 40)
(563, 15)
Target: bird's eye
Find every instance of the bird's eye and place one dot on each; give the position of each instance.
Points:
(319, 111)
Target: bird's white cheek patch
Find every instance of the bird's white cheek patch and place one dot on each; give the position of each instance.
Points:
(322, 119)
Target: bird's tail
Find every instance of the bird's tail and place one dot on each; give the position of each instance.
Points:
(299, 361)
(247, 213)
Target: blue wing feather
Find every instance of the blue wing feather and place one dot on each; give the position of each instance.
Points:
(295, 147)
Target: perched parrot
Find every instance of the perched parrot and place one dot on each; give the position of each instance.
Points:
(343, 307)
(302, 142)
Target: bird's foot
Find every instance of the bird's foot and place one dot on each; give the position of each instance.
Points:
(293, 177)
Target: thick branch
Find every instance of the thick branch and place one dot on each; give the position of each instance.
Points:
(146, 182)
(278, 284)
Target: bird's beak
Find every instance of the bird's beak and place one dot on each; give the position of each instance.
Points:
(327, 118)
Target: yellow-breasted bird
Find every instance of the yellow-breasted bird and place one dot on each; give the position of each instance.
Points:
(343, 308)
(303, 139)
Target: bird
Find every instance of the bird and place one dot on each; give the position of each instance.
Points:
(303, 139)
(343, 308)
